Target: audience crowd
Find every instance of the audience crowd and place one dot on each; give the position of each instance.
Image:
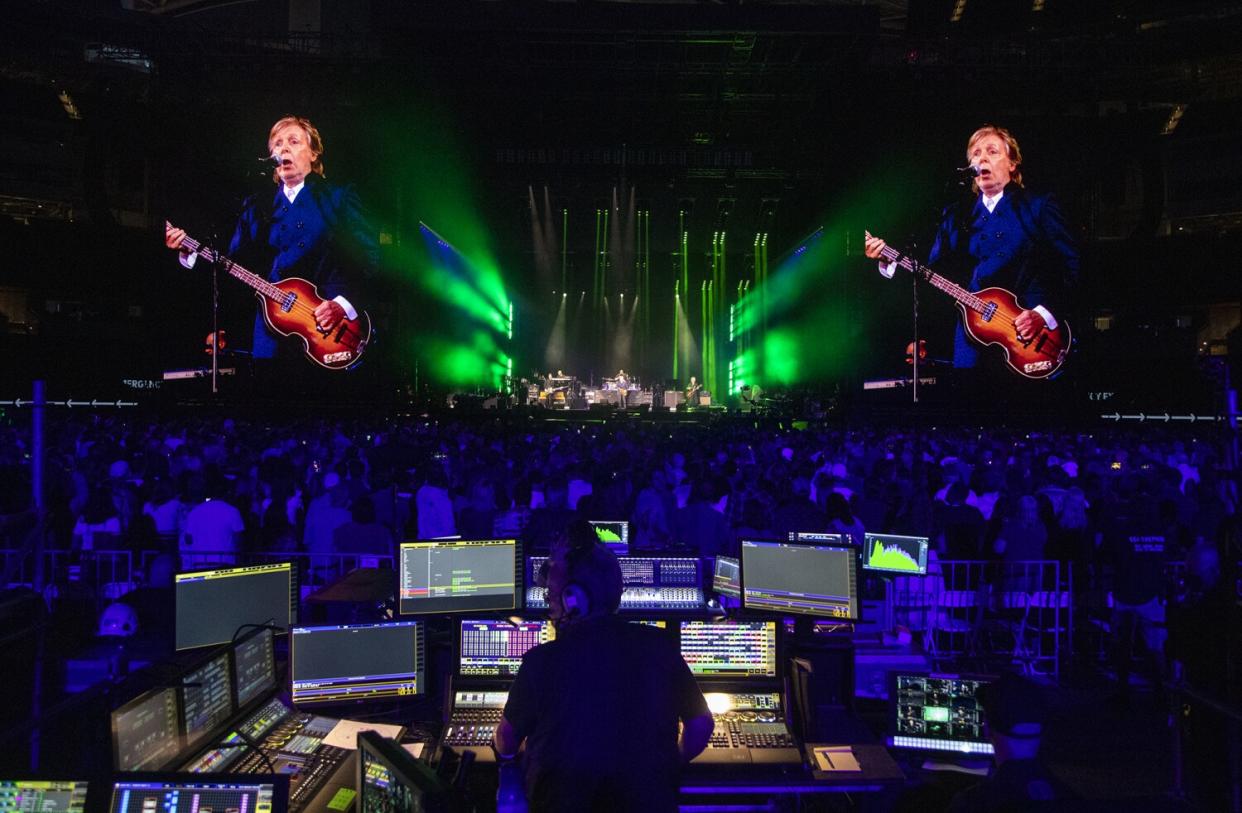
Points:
(216, 488)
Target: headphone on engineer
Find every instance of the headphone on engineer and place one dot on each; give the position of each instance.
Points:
(591, 578)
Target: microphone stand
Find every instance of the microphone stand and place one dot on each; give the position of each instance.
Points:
(215, 329)
(914, 288)
(215, 319)
(914, 356)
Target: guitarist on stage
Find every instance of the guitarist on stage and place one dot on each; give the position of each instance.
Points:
(1002, 237)
(307, 228)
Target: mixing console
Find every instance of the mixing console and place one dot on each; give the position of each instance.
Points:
(649, 583)
(473, 721)
(749, 729)
(291, 741)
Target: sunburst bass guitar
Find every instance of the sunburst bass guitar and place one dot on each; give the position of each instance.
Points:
(289, 310)
(988, 316)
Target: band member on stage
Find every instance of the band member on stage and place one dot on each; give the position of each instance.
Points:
(751, 397)
(692, 391)
(308, 228)
(623, 387)
(1003, 236)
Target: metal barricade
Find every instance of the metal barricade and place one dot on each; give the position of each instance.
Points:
(1021, 612)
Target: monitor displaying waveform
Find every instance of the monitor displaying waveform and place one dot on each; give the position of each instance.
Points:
(895, 554)
(614, 535)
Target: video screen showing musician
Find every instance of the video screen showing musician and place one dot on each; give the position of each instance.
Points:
(1003, 237)
(310, 229)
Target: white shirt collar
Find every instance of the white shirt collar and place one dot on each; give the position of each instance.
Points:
(291, 192)
(989, 203)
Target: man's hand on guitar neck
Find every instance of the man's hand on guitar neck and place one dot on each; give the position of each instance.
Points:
(873, 246)
(173, 236)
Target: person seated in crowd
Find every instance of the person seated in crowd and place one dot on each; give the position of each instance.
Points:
(598, 708)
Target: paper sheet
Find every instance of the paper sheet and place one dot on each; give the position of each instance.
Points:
(415, 749)
(836, 758)
(345, 733)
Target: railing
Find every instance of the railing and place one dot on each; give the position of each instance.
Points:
(1021, 612)
(109, 574)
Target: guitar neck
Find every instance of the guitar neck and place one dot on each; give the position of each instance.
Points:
(236, 271)
(966, 298)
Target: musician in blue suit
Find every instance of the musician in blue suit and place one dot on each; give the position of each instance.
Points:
(1005, 237)
(308, 228)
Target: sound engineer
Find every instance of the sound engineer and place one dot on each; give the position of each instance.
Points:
(598, 708)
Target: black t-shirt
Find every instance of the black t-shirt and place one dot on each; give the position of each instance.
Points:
(599, 709)
(963, 531)
(1138, 554)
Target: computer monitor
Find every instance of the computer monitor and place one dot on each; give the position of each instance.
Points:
(818, 538)
(791, 577)
(462, 575)
(212, 606)
(890, 553)
(727, 576)
(43, 795)
(354, 662)
(206, 697)
(254, 666)
(938, 712)
(146, 732)
(729, 649)
(390, 780)
(613, 534)
(197, 793)
(493, 648)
